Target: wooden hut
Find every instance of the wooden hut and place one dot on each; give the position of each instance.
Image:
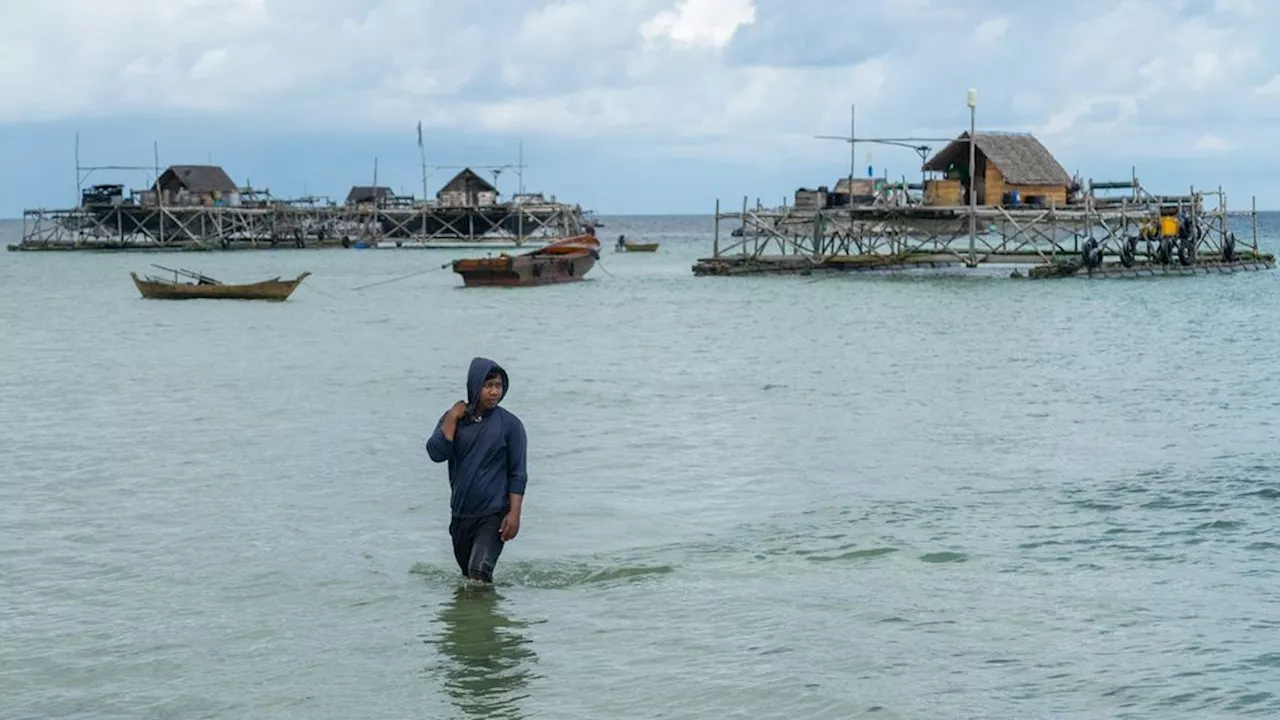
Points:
(1006, 165)
(378, 195)
(467, 189)
(195, 185)
(807, 199)
(863, 193)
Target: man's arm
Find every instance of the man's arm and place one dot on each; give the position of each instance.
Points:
(517, 477)
(440, 444)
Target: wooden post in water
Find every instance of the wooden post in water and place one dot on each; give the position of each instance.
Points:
(1255, 224)
(715, 238)
(1194, 205)
(1222, 202)
(1124, 219)
(1053, 227)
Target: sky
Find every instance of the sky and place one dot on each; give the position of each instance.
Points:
(627, 106)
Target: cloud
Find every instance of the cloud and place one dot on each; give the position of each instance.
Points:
(1241, 7)
(703, 23)
(991, 30)
(1211, 144)
(1270, 87)
(748, 81)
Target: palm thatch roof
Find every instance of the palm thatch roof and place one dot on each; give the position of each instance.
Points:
(1019, 157)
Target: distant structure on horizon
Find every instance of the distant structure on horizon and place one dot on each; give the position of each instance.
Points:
(201, 206)
(1014, 203)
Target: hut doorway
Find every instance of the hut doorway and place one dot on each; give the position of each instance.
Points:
(978, 184)
(969, 186)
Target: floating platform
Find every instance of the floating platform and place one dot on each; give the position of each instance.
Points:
(144, 247)
(1152, 269)
(879, 264)
(997, 199)
(526, 244)
(1145, 235)
(199, 207)
(176, 228)
(805, 265)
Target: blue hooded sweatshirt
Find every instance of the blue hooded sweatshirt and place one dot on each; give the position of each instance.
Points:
(487, 455)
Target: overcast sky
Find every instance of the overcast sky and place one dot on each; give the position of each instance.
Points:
(627, 106)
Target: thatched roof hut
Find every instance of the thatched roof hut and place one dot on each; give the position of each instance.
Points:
(1004, 162)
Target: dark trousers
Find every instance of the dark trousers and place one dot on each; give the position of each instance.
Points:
(477, 545)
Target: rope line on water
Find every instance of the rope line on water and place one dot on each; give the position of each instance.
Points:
(314, 289)
(432, 269)
(402, 277)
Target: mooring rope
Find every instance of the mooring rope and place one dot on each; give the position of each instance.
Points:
(402, 277)
(314, 289)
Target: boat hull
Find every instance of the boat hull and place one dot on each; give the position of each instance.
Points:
(271, 290)
(564, 261)
(524, 270)
(641, 247)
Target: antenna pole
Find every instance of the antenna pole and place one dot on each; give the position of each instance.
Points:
(422, 159)
(155, 158)
(853, 157)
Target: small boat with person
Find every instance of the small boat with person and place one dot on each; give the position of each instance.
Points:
(625, 245)
(565, 260)
(204, 287)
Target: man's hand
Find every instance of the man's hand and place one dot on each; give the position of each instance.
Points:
(452, 418)
(510, 525)
(459, 410)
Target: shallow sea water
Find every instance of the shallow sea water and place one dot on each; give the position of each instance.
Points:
(894, 497)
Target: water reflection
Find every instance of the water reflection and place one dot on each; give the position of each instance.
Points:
(488, 659)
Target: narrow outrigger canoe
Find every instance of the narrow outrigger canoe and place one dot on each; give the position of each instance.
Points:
(205, 287)
(565, 260)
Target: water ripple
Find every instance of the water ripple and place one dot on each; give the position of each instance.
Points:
(759, 497)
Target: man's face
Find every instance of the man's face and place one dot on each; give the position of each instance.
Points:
(490, 393)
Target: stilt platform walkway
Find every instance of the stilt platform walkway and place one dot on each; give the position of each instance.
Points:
(1141, 235)
(284, 225)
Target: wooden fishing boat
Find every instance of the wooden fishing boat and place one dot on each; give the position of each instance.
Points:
(566, 260)
(640, 247)
(205, 287)
(625, 245)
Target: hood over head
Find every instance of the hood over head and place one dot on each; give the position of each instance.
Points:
(480, 367)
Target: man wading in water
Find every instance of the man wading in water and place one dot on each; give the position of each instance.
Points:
(485, 447)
